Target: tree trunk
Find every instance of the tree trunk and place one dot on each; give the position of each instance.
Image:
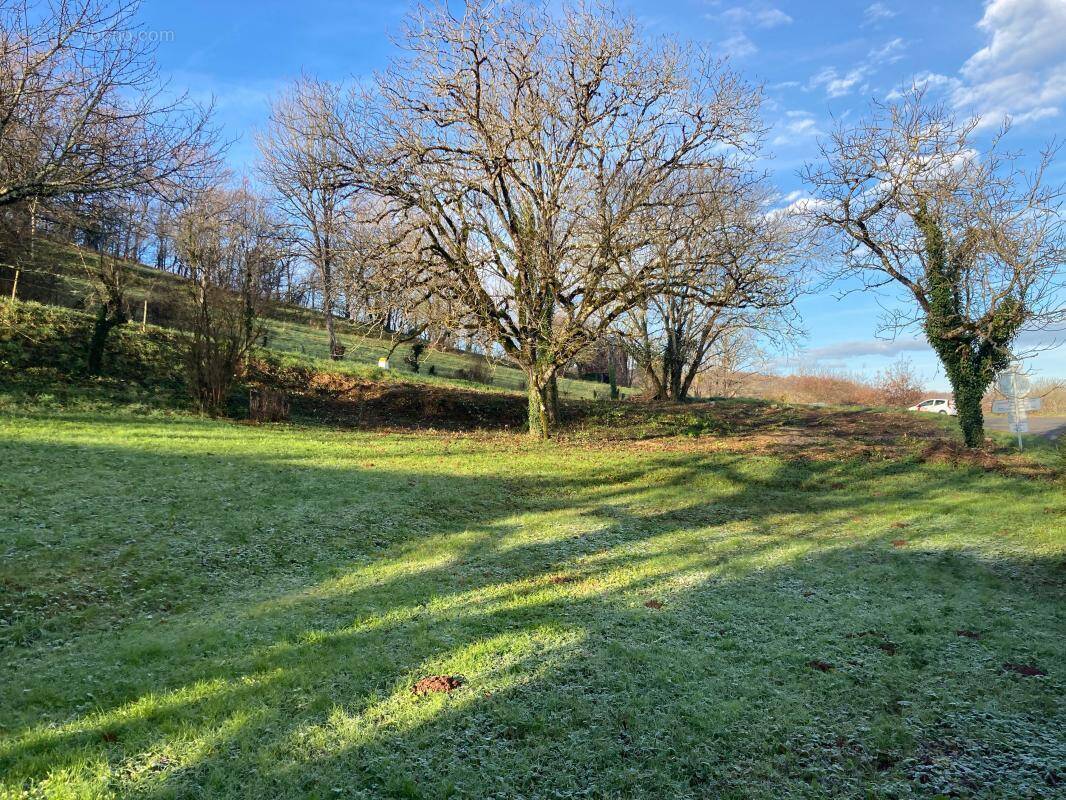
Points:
(970, 369)
(676, 368)
(971, 415)
(686, 383)
(539, 400)
(673, 369)
(552, 397)
(106, 319)
(335, 352)
(971, 361)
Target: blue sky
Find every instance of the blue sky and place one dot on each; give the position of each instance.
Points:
(816, 60)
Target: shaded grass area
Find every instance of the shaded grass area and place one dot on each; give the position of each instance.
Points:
(193, 608)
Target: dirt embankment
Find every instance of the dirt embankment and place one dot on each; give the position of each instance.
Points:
(349, 400)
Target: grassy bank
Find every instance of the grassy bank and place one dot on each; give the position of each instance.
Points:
(43, 364)
(59, 280)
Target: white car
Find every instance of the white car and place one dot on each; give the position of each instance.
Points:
(936, 405)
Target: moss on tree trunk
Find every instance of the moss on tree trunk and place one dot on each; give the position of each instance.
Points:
(539, 402)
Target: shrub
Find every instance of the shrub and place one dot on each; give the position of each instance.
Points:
(898, 385)
(414, 355)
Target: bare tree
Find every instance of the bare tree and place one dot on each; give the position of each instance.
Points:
(731, 266)
(300, 160)
(898, 384)
(974, 239)
(82, 109)
(228, 242)
(534, 157)
(737, 360)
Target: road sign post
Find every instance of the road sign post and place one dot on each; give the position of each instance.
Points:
(1004, 406)
(1014, 383)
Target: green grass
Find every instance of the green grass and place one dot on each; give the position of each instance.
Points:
(1037, 448)
(43, 358)
(311, 341)
(289, 329)
(196, 608)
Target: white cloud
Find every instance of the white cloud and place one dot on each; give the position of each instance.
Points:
(838, 84)
(797, 125)
(738, 19)
(1021, 71)
(1027, 344)
(877, 12)
(759, 18)
(927, 80)
(738, 45)
(889, 53)
(869, 347)
(1052, 336)
(772, 17)
(802, 127)
(1025, 34)
(796, 205)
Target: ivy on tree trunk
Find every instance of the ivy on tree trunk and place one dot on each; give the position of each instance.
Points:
(971, 352)
(111, 313)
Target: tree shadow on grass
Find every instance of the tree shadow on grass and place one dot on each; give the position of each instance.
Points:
(292, 678)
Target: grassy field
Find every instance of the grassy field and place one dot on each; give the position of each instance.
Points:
(197, 608)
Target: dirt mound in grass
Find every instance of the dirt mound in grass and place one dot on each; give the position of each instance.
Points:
(799, 432)
(947, 451)
(437, 683)
(761, 428)
(1027, 670)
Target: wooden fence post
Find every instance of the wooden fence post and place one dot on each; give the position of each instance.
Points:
(144, 317)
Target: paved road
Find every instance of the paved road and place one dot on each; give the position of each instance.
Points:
(1051, 427)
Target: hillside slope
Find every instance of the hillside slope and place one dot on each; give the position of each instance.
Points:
(58, 278)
